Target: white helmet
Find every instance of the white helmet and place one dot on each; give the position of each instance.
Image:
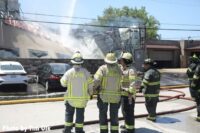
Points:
(77, 58)
(110, 58)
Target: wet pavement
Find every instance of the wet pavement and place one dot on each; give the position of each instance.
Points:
(173, 79)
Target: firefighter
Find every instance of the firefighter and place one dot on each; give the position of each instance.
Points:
(79, 89)
(190, 72)
(128, 92)
(108, 77)
(195, 87)
(151, 88)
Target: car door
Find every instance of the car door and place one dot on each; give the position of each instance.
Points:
(47, 71)
(39, 73)
(42, 74)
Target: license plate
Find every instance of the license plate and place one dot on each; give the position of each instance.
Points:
(13, 76)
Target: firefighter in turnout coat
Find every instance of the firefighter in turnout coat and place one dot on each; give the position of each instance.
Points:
(79, 88)
(129, 81)
(108, 77)
(151, 88)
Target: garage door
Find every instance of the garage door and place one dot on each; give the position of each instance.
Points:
(161, 55)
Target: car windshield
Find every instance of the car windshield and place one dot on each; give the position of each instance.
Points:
(59, 69)
(11, 67)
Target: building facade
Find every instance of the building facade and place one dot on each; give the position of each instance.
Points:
(172, 54)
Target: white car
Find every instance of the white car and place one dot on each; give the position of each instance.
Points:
(12, 73)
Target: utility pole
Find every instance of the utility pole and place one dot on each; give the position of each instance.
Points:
(1, 21)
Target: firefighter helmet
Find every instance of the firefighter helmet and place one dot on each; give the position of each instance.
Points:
(110, 58)
(77, 58)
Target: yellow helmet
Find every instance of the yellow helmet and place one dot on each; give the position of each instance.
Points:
(110, 58)
(127, 56)
(77, 58)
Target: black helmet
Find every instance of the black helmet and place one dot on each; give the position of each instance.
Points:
(149, 61)
(194, 58)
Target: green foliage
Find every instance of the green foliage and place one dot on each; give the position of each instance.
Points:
(150, 21)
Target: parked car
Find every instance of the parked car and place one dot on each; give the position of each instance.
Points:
(13, 73)
(49, 75)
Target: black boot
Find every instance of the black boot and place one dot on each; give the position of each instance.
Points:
(128, 131)
(67, 130)
(79, 131)
(153, 119)
(124, 131)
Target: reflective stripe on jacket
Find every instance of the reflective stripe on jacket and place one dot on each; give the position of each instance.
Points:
(151, 83)
(191, 70)
(129, 78)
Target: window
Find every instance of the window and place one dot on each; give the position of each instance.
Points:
(11, 67)
(37, 53)
(59, 69)
(9, 53)
(62, 56)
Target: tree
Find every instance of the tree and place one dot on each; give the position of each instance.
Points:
(150, 21)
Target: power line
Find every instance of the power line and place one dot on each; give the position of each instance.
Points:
(84, 18)
(101, 26)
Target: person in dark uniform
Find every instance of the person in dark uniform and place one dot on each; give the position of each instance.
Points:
(195, 87)
(190, 72)
(151, 88)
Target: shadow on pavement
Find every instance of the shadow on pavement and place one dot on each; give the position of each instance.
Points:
(146, 130)
(167, 120)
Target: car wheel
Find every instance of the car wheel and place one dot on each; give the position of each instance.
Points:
(47, 86)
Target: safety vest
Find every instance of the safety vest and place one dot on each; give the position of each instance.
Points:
(129, 76)
(110, 77)
(77, 87)
(151, 83)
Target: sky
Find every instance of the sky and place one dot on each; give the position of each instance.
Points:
(167, 12)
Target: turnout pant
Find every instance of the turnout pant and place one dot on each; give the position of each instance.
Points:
(196, 95)
(128, 113)
(103, 109)
(192, 91)
(151, 104)
(69, 115)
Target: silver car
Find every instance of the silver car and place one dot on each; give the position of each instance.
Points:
(12, 73)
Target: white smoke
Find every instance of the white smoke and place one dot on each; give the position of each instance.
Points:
(86, 48)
